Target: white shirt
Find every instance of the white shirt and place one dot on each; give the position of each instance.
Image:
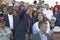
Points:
(48, 13)
(10, 17)
(44, 37)
(35, 28)
(48, 27)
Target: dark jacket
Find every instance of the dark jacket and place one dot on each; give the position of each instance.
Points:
(25, 22)
(58, 19)
(16, 21)
(21, 31)
(22, 28)
(37, 37)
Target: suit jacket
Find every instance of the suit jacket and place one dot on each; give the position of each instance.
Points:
(15, 21)
(37, 37)
(22, 28)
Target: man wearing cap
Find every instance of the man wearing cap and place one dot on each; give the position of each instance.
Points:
(5, 32)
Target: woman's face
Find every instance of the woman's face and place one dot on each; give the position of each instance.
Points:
(5, 10)
(40, 17)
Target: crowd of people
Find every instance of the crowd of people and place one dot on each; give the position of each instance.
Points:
(30, 21)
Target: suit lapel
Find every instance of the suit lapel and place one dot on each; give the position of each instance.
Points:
(7, 19)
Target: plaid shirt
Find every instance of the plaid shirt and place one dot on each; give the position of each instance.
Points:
(5, 34)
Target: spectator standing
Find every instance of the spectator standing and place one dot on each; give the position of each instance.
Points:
(42, 34)
(5, 32)
(35, 28)
(35, 16)
(5, 10)
(47, 12)
(55, 11)
(11, 20)
(40, 4)
(52, 23)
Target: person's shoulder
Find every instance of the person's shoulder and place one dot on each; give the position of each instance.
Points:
(36, 35)
(5, 14)
(7, 27)
(36, 22)
(49, 37)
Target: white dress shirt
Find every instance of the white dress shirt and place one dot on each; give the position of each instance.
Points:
(10, 17)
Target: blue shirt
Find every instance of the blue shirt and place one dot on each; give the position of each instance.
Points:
(43, 37)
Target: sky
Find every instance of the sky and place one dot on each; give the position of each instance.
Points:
(50, 2)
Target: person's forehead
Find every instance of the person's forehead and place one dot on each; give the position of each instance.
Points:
(44, 24)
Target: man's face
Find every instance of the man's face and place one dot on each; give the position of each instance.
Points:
(56, 36)
(10, 10)
(30, 9)
(43, 28)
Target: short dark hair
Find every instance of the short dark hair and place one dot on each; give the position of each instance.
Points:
(41, 23)
(35, 2)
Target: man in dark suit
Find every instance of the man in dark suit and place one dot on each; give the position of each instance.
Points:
(12, 21)
(42, 34)
(25, 26)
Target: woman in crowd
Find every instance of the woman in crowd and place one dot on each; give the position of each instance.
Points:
(35, 28)
(34, 16)
(52, 23)
(41, 17)
(55, 10)
(5, 10)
